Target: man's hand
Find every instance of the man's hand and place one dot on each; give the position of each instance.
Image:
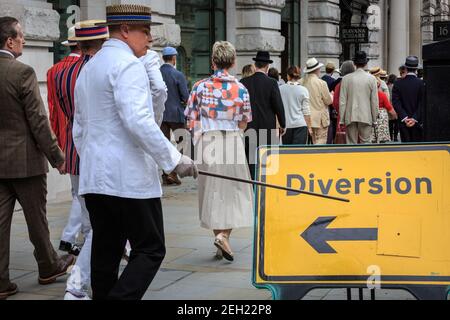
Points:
(62, 168)
(410, 123)
(282, 131)
(310, 131)
(186, 168)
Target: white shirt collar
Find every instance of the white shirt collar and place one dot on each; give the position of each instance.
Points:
(116, 43)
(74, 55)
(412, 74)
(5, 51)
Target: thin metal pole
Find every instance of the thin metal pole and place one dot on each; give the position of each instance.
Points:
(271, 186)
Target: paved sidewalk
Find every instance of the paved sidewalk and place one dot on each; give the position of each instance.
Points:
(189, 270)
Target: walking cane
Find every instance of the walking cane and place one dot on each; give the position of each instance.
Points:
(215, 175)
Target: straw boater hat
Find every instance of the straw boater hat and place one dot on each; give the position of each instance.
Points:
(89, 30)
(129, 14)
(312, 65)
(376, 71)
(70, 35)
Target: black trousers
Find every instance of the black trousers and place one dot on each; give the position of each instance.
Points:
(114, 220)
(414, 134)
(264, 137)
(296, 136)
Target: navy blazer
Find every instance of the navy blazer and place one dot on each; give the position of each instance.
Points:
(330, 81)
(177, 94)
(408, 95)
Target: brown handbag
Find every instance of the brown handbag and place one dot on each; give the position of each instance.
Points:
(341, 136)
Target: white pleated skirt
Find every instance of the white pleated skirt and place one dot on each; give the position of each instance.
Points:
(224, 204)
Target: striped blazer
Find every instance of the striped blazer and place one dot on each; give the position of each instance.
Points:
(65, 87)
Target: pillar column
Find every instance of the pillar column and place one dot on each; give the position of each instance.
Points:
(399, 34)
(415, 30)
(323, 31)
(258, 25)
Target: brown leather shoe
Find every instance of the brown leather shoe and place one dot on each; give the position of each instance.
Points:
(10, 291)
(64, 263)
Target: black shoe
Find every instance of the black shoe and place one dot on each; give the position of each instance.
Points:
(65, 246)
(72, 249)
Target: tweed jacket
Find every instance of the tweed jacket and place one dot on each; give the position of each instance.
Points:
(358, 101)
(26, 138)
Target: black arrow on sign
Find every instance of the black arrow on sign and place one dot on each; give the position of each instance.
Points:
(317, 235)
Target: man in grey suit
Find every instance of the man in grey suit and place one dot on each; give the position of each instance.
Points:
(358, 104)
(177, 98)
(26, 140)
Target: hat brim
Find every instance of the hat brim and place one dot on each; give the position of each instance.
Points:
(81, 39)
(307, 70)
(263, 60)
(361, 61)
(118, 23)
(68, 44)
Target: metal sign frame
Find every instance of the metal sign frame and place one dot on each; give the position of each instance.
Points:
(296, 287)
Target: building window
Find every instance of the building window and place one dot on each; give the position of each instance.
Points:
(290, 29)
(59, 51)
(202, 23)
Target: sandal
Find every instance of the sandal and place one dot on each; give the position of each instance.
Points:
(219, 242)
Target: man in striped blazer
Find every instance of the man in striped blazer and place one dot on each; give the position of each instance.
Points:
(90, 38)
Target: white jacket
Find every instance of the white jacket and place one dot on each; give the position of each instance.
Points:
(152, 63)
(115, 133)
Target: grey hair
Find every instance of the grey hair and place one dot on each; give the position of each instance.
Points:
(223, 54)
(347, 68)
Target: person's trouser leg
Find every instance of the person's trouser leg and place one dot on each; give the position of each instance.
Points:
(32, 196)
(7, 201)
(320, 136)
(79, 280)
(73, 225)
(143, 223)
(300, 136)
(405, 133)
(352, 133)
(108, 242)
(365, 133)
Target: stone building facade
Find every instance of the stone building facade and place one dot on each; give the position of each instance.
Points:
(292, 30)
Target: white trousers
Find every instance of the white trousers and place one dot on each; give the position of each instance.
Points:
(75, 223)
(79, 280)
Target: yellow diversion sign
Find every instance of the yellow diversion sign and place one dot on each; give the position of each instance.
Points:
(394, 233)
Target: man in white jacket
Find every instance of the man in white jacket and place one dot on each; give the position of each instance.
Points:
(120, 147)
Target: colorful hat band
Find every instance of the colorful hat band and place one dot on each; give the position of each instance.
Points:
(113, 18)
(91, 32)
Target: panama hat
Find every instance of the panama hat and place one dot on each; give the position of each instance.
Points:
(70, 35)
(89, 30)
(129, 14)
(312, 65)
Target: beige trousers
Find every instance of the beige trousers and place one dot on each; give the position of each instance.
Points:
(320, 135)
(358, 132)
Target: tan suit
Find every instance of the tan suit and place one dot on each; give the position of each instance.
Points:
(26, 140)
(319, 100)
(358, 105)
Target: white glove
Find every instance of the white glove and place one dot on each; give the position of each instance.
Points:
(186, 168)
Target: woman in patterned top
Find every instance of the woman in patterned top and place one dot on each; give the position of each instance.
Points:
(218, 111)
